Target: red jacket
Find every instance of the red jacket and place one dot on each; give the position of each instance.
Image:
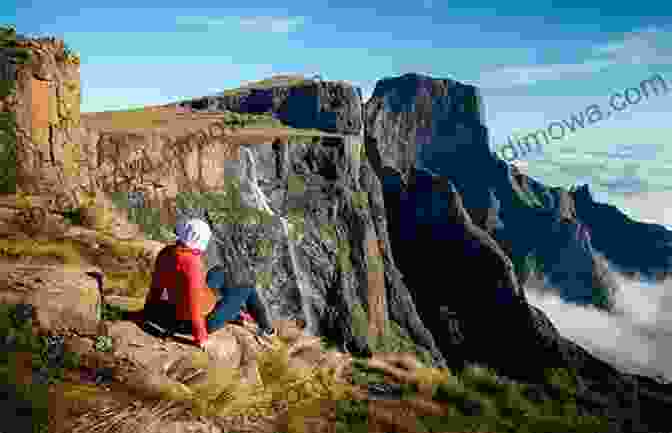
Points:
(179, 279)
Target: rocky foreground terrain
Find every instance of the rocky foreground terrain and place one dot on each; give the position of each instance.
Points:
(385, 227)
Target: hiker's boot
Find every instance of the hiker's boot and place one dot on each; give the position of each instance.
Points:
(155, 330)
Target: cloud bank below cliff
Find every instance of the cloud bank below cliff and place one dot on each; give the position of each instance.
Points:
(636, 338)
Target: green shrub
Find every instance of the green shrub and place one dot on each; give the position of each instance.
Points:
(525, 198)
(148, 219)
(504, 407)
(103, 343)
(394, 339)
(113, 313)
(525, 266)
(31, 397)
(73, 216)
(8, 119)
(352, 416)
(224, 207)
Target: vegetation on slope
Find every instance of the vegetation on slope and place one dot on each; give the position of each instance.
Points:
(267, 83)
(9, 48)
(477, 400)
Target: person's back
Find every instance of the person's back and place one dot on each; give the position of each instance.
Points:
(179, 297)
(178, 291)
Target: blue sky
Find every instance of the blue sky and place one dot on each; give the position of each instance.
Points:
(534, 62)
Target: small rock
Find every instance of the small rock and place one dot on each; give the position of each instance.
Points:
(472, 407)
(104, 375)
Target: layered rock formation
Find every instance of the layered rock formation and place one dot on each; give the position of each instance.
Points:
(323, 253)
(649, 251)
(45, 103)
(328, 106)
(306, 221)
(501, 207)
(415, 122)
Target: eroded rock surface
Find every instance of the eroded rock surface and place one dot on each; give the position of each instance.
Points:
(335, 256)
(325, 105)
(65, 299)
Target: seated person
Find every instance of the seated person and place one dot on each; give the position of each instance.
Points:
(182, 300)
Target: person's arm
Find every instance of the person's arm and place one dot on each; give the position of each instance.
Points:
(195, 282)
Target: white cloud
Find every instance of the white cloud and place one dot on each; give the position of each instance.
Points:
(645, 46)
(199, 20)
(255, 24)
(525, 75)
(272, 24)
(636, 338)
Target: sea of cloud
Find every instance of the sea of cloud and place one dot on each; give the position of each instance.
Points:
(637, 336)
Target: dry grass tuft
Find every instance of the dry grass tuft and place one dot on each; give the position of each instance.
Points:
(285, 397)
(65, 250)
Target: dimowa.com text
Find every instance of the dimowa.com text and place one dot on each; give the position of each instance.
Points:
(518, 147)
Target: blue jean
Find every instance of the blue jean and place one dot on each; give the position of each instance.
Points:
(228, 306)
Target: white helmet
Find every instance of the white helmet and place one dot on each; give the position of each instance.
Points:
(194, 233)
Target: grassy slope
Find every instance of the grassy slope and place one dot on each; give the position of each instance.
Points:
(503, 406)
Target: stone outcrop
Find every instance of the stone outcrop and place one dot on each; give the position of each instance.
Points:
(330, 227)
(313, 183)
(557, 237)
(429, 214)
(64, 300)
(324, 105)
(466, 204)
(419, 122)
(649, 246)
(46, 105)
(332, 257)
(416, 122)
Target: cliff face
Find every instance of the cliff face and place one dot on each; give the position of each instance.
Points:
(45, 103)
(485, 317)
(649, 249)
(324, 105)
(414, 121)
(330, 226)
(322, 255)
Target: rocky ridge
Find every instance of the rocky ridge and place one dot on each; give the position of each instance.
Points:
(341, 215)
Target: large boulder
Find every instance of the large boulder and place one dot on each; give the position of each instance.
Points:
(46, 105)
(65, 299)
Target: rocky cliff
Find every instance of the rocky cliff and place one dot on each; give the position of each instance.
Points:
(299, 215)
(325, 105)
(470, 212)
(43, 96)
(330, 226)
(415, 122)
(650, 245)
